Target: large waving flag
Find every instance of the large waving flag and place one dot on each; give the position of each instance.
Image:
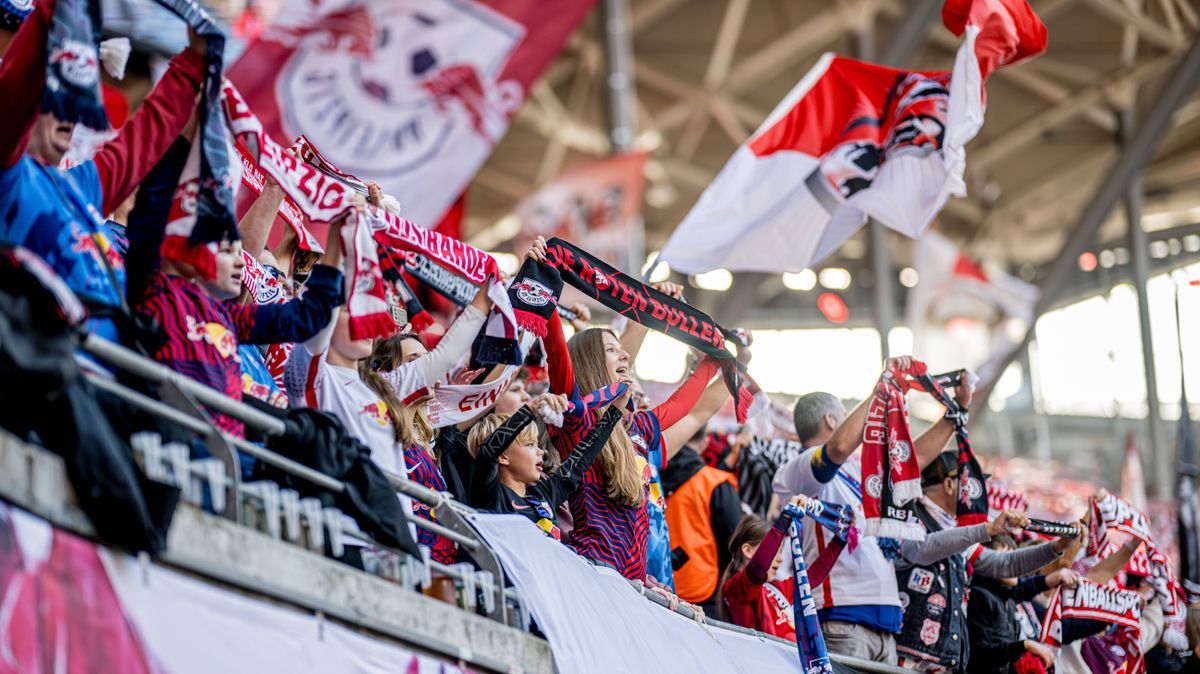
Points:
(412, 94)
(852, 140)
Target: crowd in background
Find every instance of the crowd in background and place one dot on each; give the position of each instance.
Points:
(571, 443)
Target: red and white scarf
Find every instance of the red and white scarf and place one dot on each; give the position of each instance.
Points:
(254, 179)
(324, 193)
(1098, 602)
(891, 474)
(1112, 513)
(456, 403)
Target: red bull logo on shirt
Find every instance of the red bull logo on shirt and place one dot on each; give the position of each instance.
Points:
(218, 336)
(378, 411)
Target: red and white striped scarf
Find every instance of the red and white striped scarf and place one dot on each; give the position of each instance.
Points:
(891, 474)
(325, 193)
(1090, 601)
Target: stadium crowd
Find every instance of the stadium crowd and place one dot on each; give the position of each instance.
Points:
(570, 442)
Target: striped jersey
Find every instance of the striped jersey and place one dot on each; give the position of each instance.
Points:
(424, 471)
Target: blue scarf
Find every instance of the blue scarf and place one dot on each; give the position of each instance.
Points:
(814, 659)
(835, 517)
(215, 219)
(73, 65)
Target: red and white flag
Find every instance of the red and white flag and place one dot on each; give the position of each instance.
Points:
(412, 94)
(963, 313)
(594, 206)
(852, 140)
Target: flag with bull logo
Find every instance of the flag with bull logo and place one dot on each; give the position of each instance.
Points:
(412, 94)
(853, 140)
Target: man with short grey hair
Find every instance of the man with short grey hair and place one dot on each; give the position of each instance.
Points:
(859, 602)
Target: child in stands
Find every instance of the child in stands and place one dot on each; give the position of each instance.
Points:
(508, 463)
(749, 594)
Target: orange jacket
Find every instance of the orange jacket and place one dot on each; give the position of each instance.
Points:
(689, 520)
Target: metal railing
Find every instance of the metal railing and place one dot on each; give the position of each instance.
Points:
(181, 404)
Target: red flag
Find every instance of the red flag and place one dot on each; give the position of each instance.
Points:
(853, 140)
(594, 206)
(412, 94)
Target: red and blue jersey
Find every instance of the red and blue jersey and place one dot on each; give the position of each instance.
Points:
(423, 470)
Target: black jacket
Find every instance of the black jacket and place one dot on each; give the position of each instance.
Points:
(320, 441)
(992, 626)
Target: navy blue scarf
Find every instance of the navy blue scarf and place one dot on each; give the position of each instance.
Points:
(73, 65)
(215, 218)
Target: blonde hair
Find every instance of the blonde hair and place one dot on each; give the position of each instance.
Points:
(618, 460)
(386, 356)
(488, 425)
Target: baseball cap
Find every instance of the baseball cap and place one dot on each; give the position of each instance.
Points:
(944, 466)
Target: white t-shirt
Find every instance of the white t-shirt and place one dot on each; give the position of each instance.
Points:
(864, 577)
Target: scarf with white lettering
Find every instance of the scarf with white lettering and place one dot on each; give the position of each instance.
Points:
(972, 507)
(814, 658)
(640, 303)
(366, 298)
(254, 179)
(891, 474)
(205, 191)
(601, 397)
(534, 292)
(1114, 513)
(73, 64)
(1090, 601)
(457, 403)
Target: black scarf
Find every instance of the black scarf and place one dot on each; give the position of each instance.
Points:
(972, 505)
(534, 293)
(642, 304)
(73, 65)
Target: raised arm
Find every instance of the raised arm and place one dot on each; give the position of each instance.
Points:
(416, 375)
(1111, 565)
(123, 162)
(1015, 563)
(147, 220)
(760, 564)
(255, 226)
(558, 360)
(933, 441)
(677, 435)
(684, 399)
(569, 476)
(634, 334)
(23, 81)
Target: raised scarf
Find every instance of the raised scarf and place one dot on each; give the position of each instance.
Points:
(814, 658)
(254, 179)
(534, 292)
(214, 219)
(891, 474)
(639, 302)
(325, 193)
(438, 279)
(1114, 513)
(457, 403)
(1090, 601)
(73, 64)
(1054, 529)
(366, 298)
(972, 506)
(590, 401)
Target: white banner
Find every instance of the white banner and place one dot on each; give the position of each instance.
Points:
(596, 621)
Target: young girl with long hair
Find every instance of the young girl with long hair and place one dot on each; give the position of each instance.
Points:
(748, 593)
(609, 512)
(379, 392)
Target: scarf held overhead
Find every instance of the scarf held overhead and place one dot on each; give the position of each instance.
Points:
(640, 303)
(214, 221)
(814, 658)
(1089, 601)
(73, 64)
(972, 505)
(891, 474)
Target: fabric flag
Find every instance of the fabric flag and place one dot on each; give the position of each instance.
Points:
(1133, 485)
(853, 140)
(814, 659)
(595, 205)
(412, 94)
(1189, 511)
(963, 314)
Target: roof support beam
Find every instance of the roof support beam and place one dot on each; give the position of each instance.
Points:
(1148, 28)
(1133, 159)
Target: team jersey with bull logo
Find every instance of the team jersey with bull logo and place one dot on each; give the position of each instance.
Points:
(203, 333)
